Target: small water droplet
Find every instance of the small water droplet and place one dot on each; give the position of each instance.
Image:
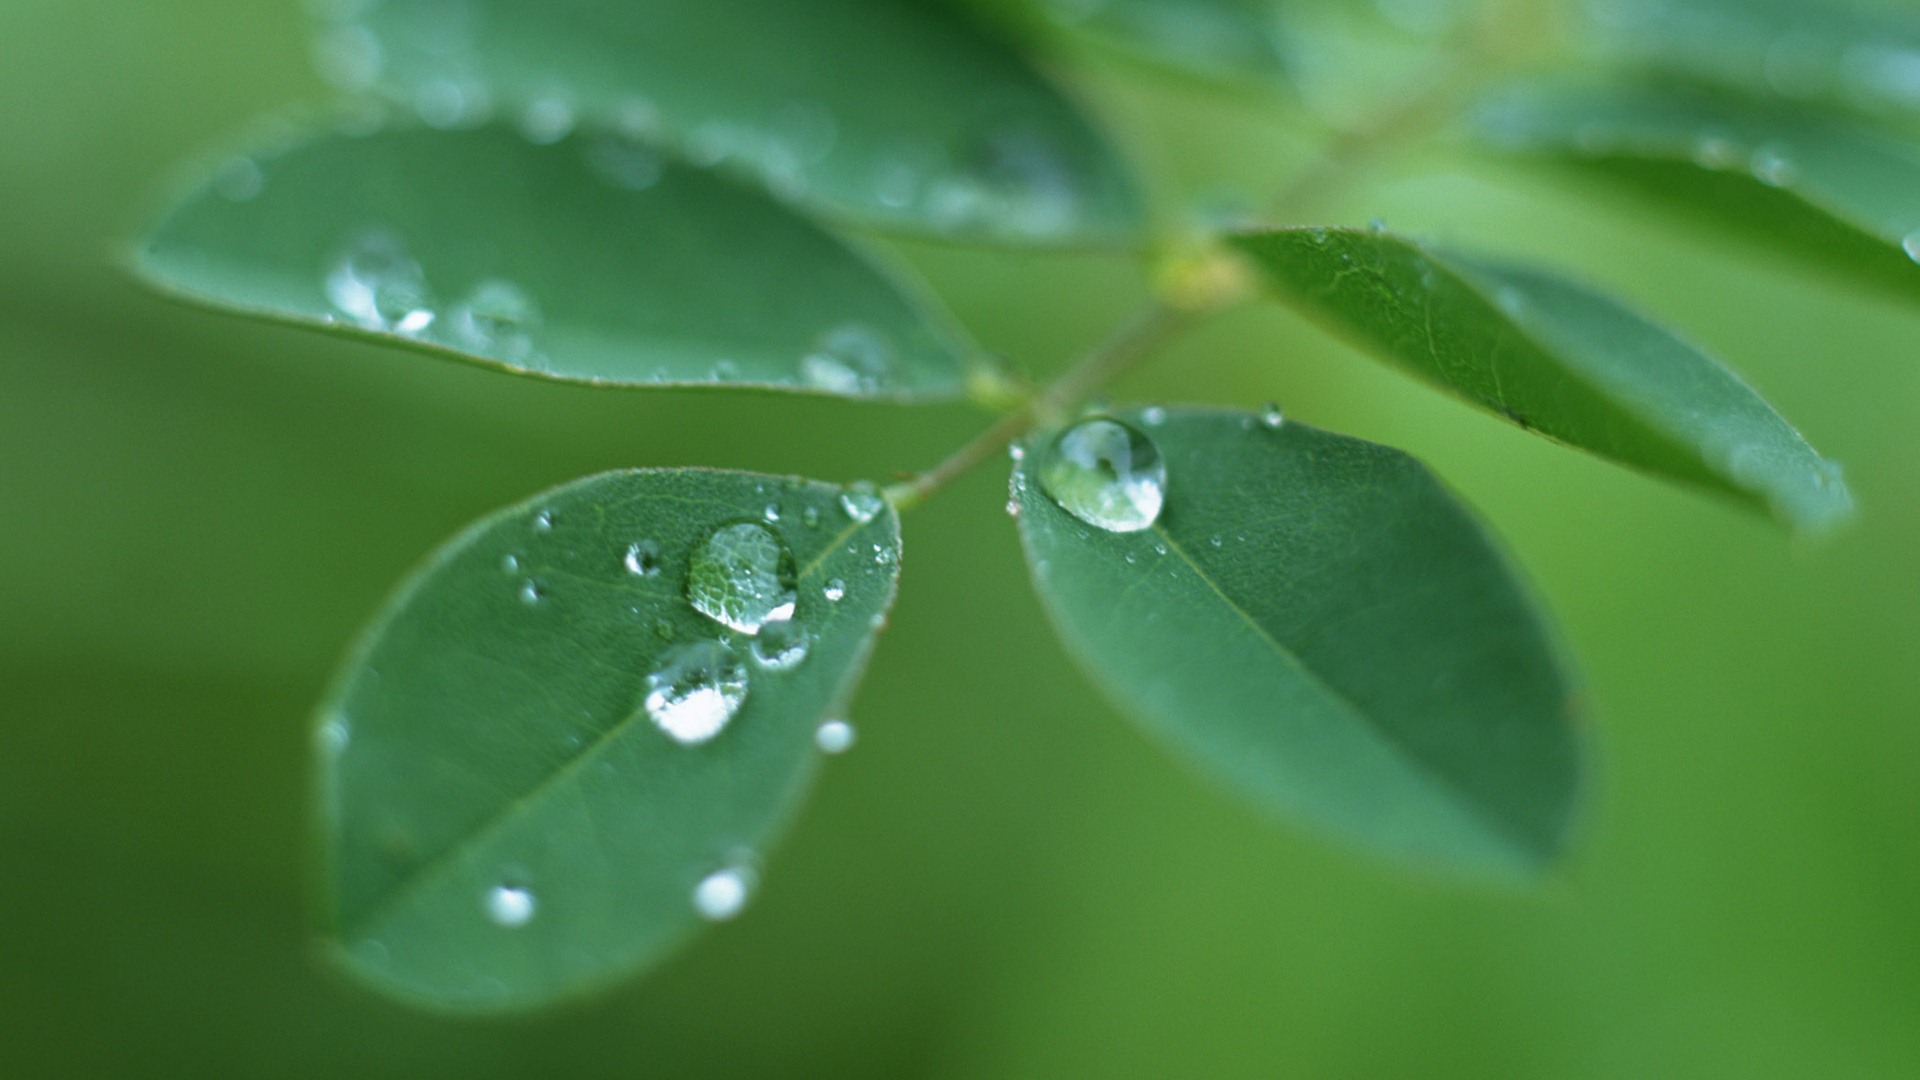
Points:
(1911, 245)
(642, 558)
(510, 563)
(510, 905)
(771, 514)
(1153, 416)
(1017, 452)
(498, 318)
(834, 590)
(834, 737)
(811, 517)
(724, 893)
(334, 735)
(543, 521)
(781, 645)
(1106, 474)
(743, 577)
(1216, 540)
(725, 370)
(1772, 167)
(862, 501)
(532, 592)
(695, 691)
(1272, 418)
(378, 285)
(851, 359)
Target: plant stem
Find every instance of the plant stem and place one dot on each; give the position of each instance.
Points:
(1132, 342)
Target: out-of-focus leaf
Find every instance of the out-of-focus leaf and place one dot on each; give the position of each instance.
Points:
(1217, 39)
(1315, 621)
(1809, 184)
(900, 113)
(542, 752)
(1844, 54)
(592, 260)
(1556, 358)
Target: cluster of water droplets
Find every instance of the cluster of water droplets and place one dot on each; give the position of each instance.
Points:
(852, 358)
(377, 284)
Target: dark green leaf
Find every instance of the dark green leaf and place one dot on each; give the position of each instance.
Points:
(1808, 184)
(896, 112)
(1556, 358)
(592, 260)
(1317, 622)
(1848, 55)
(1219, 39)
(508, 821)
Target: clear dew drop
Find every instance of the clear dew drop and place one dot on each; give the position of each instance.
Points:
(851, 359)
(811, 517)
(1153, 416)
(724, 893)
(1911, 245)
(743, 577)
(642, 558)
(510, 563)
(378, 285)
(695, 691)
(334, 735)
(510, 906)
(532, 592)
(1106, 474)
(862, 501)
(834, 590)
(543, 521)
(782, 645)
(497, 318)
(1272, 418)
(771, 514)
(834, 737)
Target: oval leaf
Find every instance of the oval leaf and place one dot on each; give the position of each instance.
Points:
(1314, 620)
(591, 260)
(1849, 55)
(542, 749)
(1555, 358)
(896, 112)
(1807, 184)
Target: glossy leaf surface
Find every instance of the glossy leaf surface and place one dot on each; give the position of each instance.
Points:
(1316, 622)
(591, 260)
(541, 749)
(1809, 184)
(1556, 358)
(896, 112)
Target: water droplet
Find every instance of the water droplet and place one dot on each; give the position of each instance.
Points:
(851, 359)
(724, 893)
(240, 180)
(532, 592)
(1717, 152)
(510, 563)
(834, 590)
(378, 285)
(642, 558)
(695, 691)
(334, 735)
(743, 577)
(1911, 245)
(1272, 418)
(1017, 452)
(547, 120)
(1153, 416)
(1107, 475)
(543, 521)
(862, 501)
(725, 370)
(498, 318)
(834, 737)
(811, 517)
(510, 905)
(781, 645)
(1772, 167)
(771, 514)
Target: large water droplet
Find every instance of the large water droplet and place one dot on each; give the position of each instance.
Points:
(834, 737)
(724, 893)
(1107, 475)
(862, 501)
(377, 284)
(782, 645)
(695, 691)
(510, 905)
(498, 318)
(743, 577)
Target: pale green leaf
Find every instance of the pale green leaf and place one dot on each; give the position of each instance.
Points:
(1316, 622)
(1556, 358)
(507, 820)
(900, 113)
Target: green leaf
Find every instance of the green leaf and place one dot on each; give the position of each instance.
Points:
(1807, 184)
(1216, 39)
(592, 260)
(1315, 621)
(1556, 358)
(1846, 55)
(899, 113)
(512, 816)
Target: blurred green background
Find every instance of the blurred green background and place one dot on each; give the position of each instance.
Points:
(1005, 879)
